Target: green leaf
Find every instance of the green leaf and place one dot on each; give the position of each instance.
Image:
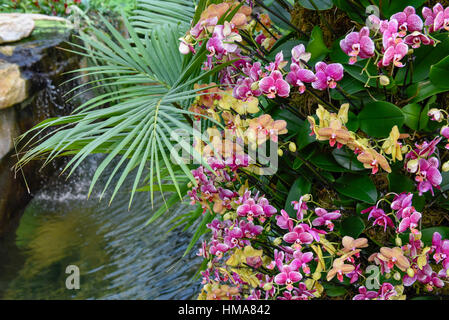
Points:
(445, 182)
(355, 70)
(377, 118)
(427, 233)
(335, 291)
(347, 160)
(336, 54)
(424, 118)
(316, 45)
(390, 7)
(439, 74)
(425, 57)
(353, 123)
(316, 4)
(412, 113)
(357, 187)
(304, 138)
(355, 12)
(325, 161)
(202, 228)
(399, 183)
(300, 187)
(352, 226)
(423, 90)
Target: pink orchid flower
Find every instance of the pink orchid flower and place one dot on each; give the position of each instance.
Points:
(424, 149)
(439, 247)
(327, 75)
(386, 291)
(401, 202)
(250, 230)
(445, 133)
(390, 33)
(288, 276)
(267, 209)
(355, 274)
(297, 76)
(278, 63)
(380, 218)
(244, 90)
(425, 276)
(218, 249)
(301, 260)
(358, 44)
(408, 20)
(274, 85)
(284, 221)
(300, 207)
(436, 18)
(410, 222)
(300, 56)
(428, 175)
(298, 236)
(394, 53)
(364, 294)
(233, 236)
(417, 38)
(324, 218)
(250, 210)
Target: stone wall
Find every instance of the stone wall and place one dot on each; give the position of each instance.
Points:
(31, 90)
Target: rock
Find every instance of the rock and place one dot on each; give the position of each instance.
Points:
(13, 88)
(15, 28)
(9, 130)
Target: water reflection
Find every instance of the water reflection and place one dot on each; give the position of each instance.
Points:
(116, 259)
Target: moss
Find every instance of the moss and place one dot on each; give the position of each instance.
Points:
(333, 22)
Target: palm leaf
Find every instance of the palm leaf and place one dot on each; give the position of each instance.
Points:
(152, 13)
(137, 127)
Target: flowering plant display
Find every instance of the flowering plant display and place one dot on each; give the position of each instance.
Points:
(362, 181)
(349, 97)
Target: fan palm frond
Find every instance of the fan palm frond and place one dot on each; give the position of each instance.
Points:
(154, 83)
(151, 13)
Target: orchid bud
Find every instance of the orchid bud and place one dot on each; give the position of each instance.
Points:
(397, 276)
(292, 147)
(411, 272)
(404, 149)
(277, 241)
(398, 241)
(412, 165)
(387, 275)
(254, 86)
(435, 114)
(445, 166)
(227, 216)
(410, 52)
(306, 197)
(445, 132)
(268, 286)
(280, 152)
(384, 80)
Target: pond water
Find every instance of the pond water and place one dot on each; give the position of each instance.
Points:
(116, 257)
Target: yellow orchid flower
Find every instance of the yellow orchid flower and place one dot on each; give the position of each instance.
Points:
(392, 146)
(228, 102)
